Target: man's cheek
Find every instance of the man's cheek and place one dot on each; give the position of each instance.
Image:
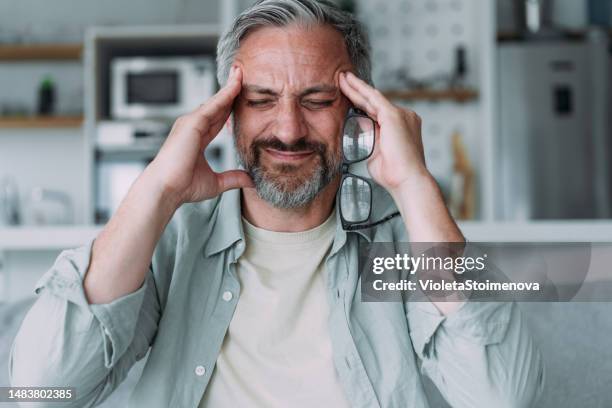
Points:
(328, 127)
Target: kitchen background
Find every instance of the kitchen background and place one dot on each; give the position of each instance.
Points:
(514, 95)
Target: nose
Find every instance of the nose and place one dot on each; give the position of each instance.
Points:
(290, 124)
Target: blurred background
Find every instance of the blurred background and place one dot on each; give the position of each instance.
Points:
(514, 96)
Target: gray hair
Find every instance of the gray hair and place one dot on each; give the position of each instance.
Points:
(281, 13)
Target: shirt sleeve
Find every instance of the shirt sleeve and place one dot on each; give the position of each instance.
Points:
(480, 355)
(65, 341)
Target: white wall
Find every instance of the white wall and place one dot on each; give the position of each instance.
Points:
(52, 159)
(25, 270)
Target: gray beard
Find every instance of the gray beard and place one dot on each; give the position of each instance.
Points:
(275, 192)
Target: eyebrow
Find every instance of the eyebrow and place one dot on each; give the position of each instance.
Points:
(308, 91)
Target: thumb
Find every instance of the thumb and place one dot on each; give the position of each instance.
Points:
(233, 179)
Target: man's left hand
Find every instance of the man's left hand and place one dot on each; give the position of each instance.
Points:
(398, 164)
(398, 156)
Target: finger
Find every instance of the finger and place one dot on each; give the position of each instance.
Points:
(233, 179)
(210, 117)
(378, 103)
(376, 142)
(413, 118)
(224, 98)
(367, 91)
(357, 98)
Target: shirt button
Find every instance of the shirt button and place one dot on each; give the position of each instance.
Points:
(200, 371)
(227, 296)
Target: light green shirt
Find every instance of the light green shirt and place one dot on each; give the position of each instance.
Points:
(479, 356)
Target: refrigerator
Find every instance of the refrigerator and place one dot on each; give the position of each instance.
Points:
(553, 142)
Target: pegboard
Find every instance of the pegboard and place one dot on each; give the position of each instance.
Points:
(419, 37)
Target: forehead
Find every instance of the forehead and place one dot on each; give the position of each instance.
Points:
(294, 56)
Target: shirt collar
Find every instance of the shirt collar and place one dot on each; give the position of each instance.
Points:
(227, 228)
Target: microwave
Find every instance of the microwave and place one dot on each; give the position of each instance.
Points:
(165, 88)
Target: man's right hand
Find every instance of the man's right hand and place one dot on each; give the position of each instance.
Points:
(122, 253)
(180, 170)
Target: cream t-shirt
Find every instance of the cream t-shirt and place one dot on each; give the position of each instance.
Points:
(277, 351)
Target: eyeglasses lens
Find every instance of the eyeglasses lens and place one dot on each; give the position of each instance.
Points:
(358, 138)
(355, 199)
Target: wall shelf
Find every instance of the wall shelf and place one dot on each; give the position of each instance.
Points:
(136, 151)
(24, 52)
(456, 95)
(562, 34)
(47, 238)
(40, 121)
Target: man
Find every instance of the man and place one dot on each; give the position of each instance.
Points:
(250, 295)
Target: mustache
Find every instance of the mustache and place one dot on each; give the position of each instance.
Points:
(300, 145)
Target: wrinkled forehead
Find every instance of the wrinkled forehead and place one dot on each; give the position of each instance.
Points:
(292, 58)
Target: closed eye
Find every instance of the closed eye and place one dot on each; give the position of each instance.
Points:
(318, 104)
(258, 102)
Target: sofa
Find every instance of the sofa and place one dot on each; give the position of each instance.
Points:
(575, 340)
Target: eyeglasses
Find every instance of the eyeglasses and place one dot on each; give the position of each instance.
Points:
(358, 137)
